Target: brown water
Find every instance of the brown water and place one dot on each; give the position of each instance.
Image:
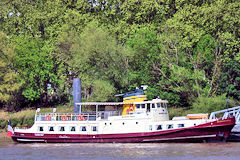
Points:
(106, 151)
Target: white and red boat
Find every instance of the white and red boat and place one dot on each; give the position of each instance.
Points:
(133, 120)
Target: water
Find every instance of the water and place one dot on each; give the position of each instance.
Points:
(108, 151)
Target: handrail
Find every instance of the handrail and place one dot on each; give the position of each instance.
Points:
(235, 111)
(87, 116)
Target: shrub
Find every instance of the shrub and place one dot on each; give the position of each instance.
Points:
(176, 112)
(211, 104)
(3, 123)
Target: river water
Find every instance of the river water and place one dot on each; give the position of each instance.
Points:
(108, 151)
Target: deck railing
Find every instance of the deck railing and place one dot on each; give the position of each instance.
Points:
(84, 116)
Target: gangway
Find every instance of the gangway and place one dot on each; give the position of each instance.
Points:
(235, 111)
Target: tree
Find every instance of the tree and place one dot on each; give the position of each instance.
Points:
(96, 56)
(35, 67)
(145, 46)
(9, 82)
(195, 43)
(230, 79)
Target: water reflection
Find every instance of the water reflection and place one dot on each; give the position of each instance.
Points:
(218, 151)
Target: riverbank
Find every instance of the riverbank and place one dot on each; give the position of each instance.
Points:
(4, 137)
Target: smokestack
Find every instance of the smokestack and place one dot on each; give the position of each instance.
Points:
(76, 94)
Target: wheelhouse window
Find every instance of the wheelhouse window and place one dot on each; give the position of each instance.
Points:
(62, 128)
(83, 128)
(72, 129)
(180, 125)
(153, 105)
(164, 105)
(51, 128)
(94, 128)
(158, 127)
(137, 106)
(159, 105)
(169, 126)
(40, 128)
(142, 105)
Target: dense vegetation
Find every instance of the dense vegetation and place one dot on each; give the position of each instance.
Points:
(186, 51)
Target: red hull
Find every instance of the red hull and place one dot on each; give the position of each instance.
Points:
(216, 130)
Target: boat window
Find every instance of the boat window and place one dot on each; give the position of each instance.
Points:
(164, 105)
(169, 126)
(153, 105)
(83, 128)
(180, 125)
(158, 127)
(72, 128)
(94, 128)
(40, 128)
(137, 106)
(158, 105)
(51, 129)
(150, 127)
(148, 107)
(142, 105)
(62, 129)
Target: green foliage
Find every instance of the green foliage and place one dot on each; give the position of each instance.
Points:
(174, 99)
(176, 112)
(102, 91)
(3, 123)
(98, 55)
(35, 66)
(230, 79)
(145, 45)
(211, 104)
(9, 83)
(183, 50)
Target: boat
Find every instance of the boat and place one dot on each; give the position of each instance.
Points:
(136, 119)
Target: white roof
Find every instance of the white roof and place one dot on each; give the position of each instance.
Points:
(120, 103)
(102, 103)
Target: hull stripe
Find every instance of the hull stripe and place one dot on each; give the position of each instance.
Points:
(178, 138)
(30, 140)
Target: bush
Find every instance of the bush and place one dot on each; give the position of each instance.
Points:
(28, 122)
(176, 112)
(3, 123)
(14, 122)
(211, 104)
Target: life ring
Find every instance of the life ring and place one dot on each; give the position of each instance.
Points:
(64, 118)
(47, 118)
(80, 118)
(131, 108)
